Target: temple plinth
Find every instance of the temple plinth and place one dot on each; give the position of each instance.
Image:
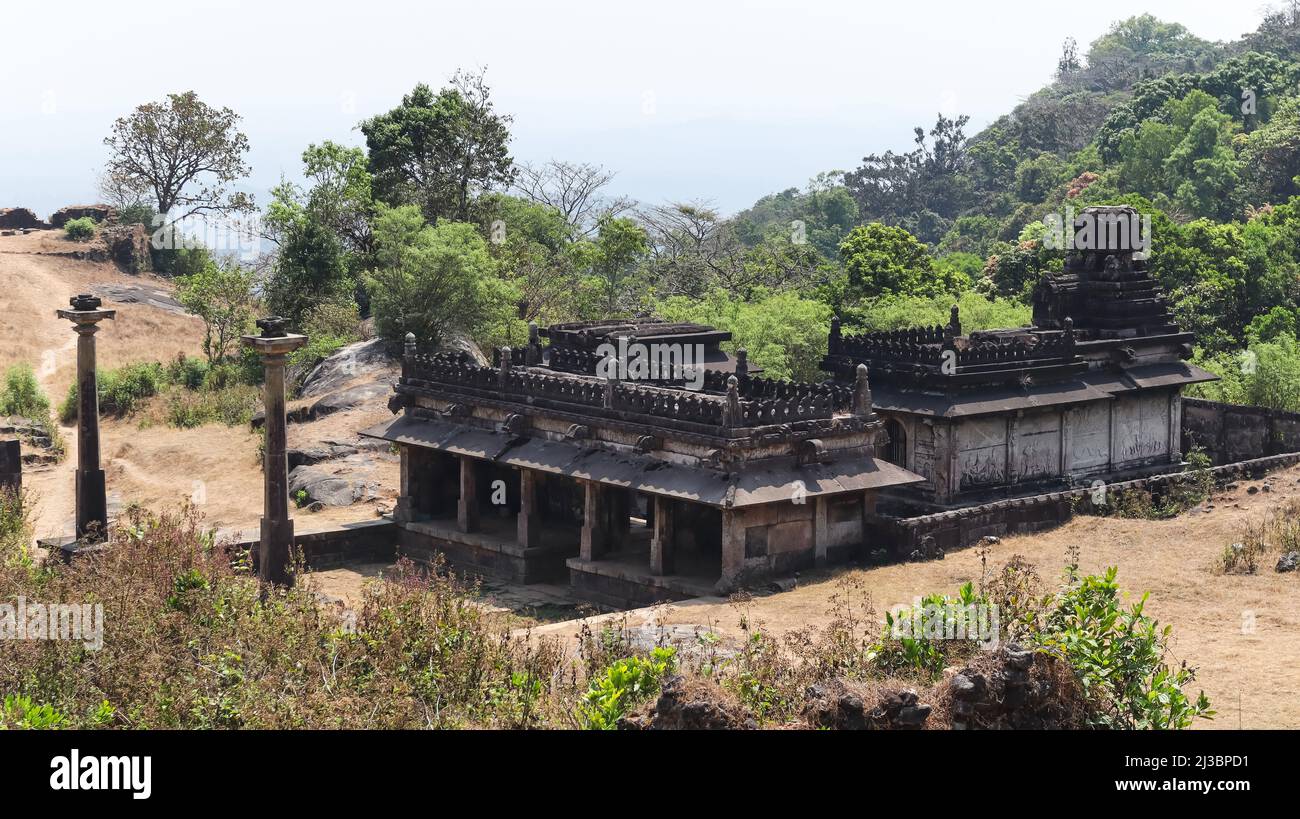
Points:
(92, 499)
(274, 549)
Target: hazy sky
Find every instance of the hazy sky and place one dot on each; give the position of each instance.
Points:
(684, 100)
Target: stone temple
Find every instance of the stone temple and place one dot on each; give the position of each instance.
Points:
(1090, 391)
(638, 486)
(536, 469)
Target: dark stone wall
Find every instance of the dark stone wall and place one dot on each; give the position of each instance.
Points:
(964, 527)
(1234, 432)
(11, 466)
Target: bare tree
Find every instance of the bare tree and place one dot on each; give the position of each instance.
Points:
(182, 154)
(694, 250)
(573, 189)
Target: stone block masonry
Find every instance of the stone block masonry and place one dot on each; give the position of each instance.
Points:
(11, 466)
(1234, 432)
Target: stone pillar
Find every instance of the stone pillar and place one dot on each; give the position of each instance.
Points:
(528, 521)
(663, 543)
(595, 521)
(467, 517)
(274, 549)
(404, 510)
(821, 532)
(92, 497)
(733, 551)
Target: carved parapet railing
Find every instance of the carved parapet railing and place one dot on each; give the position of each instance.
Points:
(764, 402)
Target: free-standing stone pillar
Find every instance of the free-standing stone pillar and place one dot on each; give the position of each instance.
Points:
(529, 523)
(467, 517)
(276, 544)
(92, 499)
(595, 522)
(662, 543)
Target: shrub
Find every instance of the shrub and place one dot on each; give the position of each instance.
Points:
(1118, 655)
(193, 641)
(121, 390)
(80, 230)
(623, 685)
(22, 394)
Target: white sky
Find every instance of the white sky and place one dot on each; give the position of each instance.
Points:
(684, 100)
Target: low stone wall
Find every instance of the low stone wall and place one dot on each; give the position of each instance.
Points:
(1236, 432)
(964, 527)
(11, 466)
(363, 542)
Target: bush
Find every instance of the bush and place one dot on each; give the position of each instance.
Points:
(1118, 655)
(22, 394)
(121, 390)
(624, 684)
(193, 641)
(80, 230)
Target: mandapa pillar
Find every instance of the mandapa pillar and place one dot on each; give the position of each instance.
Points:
(467, 513)
(274, 549)
(663, 541)
(92, 497)
(529, 523)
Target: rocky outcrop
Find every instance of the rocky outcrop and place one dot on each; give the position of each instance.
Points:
(19, 219)
(692, 704)
(1016, 688)
(326, 487)
(100, 213)
(339, 370)
(845, 705)
(128, 246)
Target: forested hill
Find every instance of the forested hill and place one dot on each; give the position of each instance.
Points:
(1203, 136)
(435, 228)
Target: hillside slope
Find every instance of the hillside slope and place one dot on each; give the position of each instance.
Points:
(155, 466)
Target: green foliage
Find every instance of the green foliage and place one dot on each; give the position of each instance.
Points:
(880, 260)
(784, 333)
(121, 390)
(18, 711)
(623, 685)
(434, 280)
(222, 295)
(80, 230)
(1266, 374)
(309, 269)
(435, 150)
(22, 394)
(978, 312)
(1119, 654)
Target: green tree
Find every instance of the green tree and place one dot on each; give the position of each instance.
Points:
(881, 260)
(784, 333)
(434, 280)
(309, 269)
(221, 294)
(615, 269)
(440, 150)
(182, 154)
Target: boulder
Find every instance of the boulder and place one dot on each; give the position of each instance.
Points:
(100, 213)
(20, 218)
(337, 371)
(350, 398)
(1288, 562)
(326, 487)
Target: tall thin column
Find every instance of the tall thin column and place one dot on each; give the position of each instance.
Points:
(92, 498)
(529, 523)
(467, 514)
(663, 541)
(274, 550)
(594, 540)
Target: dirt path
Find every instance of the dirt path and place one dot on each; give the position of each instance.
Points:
(1241, 632)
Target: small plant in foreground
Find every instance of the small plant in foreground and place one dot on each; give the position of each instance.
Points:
(623, 685)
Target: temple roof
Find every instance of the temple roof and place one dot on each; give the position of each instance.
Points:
(747, 484)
